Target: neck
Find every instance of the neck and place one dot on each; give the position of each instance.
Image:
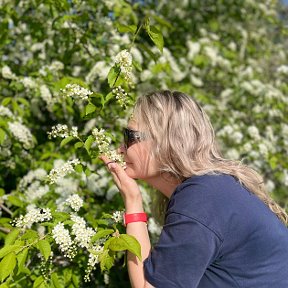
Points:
(164, 183)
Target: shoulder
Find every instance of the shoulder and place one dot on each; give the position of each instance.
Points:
(208, 189)
(212, 199)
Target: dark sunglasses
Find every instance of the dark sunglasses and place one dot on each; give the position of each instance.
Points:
(131, 137)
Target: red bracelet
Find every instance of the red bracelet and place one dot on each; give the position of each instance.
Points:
(135, 217)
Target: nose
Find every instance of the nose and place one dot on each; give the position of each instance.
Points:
(121, 149)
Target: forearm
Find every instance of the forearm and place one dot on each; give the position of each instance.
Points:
(140, 232)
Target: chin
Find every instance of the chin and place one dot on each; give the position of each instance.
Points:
(131, 173)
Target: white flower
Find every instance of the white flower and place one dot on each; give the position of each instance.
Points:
(232, 154)
(46, 95)
(117, 216)
(285, 177)
(56, 66)
(121, 95)
(196, 81)
(82, 233)
(5, 112)
(153, 227)
(28, 83)
(7, 73)
(76, 91)
(283, 69)
(22, 133)
(95, 251)
(63, 239)
(75, 202)
(146, 75)
(100, 69)
(194, 49)
(124, 59)
(36, 191)
(253, 132)
(35, 215)
(38, 174)
(270, 186)
(59, 131)
(58, 173)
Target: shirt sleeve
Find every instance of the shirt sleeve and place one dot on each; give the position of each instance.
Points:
(184, 251)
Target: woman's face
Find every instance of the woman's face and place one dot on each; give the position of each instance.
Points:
(140, 163)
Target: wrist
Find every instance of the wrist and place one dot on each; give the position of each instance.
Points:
(134, 205)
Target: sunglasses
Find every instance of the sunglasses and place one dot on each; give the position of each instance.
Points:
(131, 137)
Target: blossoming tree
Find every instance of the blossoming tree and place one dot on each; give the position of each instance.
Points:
(70, 72)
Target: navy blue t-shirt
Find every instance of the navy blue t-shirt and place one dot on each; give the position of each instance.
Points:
(218, 235)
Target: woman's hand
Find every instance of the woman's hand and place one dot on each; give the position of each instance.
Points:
(128, 187)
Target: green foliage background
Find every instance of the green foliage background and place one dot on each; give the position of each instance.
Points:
(229, 55)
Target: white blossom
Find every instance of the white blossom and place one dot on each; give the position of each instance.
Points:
(283, 69)
(7, 73)
(5, 112)
(38, 174)
(22, 133)
(196, 81)
(36, 191)
(253, 132)
(124, 60)
(100, 69)
(63, 239)
(95, 251)
(28, 83)
(82, 233)
(194, 49)
(58, 173)
(46, 95)
(117, 216)
(153, 227)
(121, 96)
(76, 91)
(35, 215)
(75, 202)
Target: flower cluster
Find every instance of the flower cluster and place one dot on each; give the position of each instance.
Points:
(63, 239)
(121, 96)
(34, 215)
(63, 131)
(124, 60)
(60, 172)
(103, 143)
(82, 233)
(38, 174)
(75, 202)
(95, 251)
(7, 73)
(117, 216)
(22, 133)
(5, 112)
(76, 91)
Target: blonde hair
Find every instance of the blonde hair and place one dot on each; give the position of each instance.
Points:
(185, 142)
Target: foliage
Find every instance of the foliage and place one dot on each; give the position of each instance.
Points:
(70, 73)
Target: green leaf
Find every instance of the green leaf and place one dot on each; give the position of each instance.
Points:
(2, 135)
(90, 108)
(15, 201)
(7, 265)
(126, 242)
(2, 192)
(21, 259)
(6, 101)
(87, 172)
(7, 249)
(113, 74)
(88, 143)
(78, 145)
(102, 233)
(45, 248)
(38, 282)
(66, 140)
(106, 260)
(55, 280)
(11, 237)
(156, 36)
(30, 234)
(4, 285)
(79, 168)
(125, 28)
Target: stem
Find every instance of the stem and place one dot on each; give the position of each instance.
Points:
(5, 230)
(6, 209)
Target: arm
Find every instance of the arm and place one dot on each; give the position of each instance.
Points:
(133, 204)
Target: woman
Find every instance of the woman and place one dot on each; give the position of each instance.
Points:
(221, 228)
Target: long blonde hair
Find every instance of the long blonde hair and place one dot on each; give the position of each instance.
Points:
(185, 142)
